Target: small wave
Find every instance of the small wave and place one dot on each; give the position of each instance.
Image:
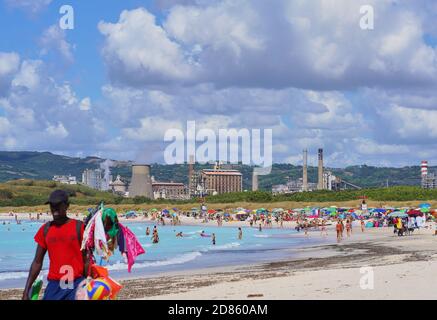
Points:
(175, 260)
(147, 245)
(261, 235)
(224, 246)
(17, 275)
(12, 275)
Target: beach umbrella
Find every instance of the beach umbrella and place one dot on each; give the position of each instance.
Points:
(414, 213)
(394, 214)
(211, 211)
(165, 211)
(424, 205)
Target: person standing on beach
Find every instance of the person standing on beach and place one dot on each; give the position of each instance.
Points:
(61, 238)
(324, 231)
(240, 233)
(348, 227)
(362, 225)
(339, 229)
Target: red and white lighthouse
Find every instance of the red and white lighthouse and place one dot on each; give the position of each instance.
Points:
(424, 168)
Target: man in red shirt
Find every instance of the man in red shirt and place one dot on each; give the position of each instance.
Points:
(61, 238)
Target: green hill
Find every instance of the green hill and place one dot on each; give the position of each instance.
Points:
(34, 192)
(44, 165)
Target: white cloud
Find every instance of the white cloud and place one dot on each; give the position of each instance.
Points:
(85, 104)
(57, 131)
(54, 38)
(9, 62)
(31, 6)
(139, 50)
(306, 44)
(5, 126)
(151, 129)
(28, 76)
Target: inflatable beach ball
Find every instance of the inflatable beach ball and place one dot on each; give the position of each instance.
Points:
(98, 289)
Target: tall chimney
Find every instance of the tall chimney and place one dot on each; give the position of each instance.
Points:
(254, 181)
(190, 175)
(424, 168)
(320, 173)
(141, 184)
(305, 171)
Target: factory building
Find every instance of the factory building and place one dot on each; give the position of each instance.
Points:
(94, 178)
(118, 186)
(65, 179)
(169, 190)
(429, 180)
(218, 181)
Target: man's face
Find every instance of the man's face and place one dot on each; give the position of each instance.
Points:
(59, 210)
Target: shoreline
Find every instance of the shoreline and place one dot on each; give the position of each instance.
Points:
(313, 274)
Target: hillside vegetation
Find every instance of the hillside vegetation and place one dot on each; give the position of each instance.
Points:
(29, 193)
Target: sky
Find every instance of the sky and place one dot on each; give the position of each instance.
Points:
(131, 70)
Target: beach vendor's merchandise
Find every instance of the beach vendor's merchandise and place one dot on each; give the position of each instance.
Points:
(103, 235)
(35, 290)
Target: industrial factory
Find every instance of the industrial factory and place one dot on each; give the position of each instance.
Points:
(429, 180)
(213, 181)
(325, 179)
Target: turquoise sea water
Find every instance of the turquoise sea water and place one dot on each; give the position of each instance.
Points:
(17, 249)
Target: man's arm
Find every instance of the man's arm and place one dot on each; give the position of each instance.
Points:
(34, 271)
(86, 260)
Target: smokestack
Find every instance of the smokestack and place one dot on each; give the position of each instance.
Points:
(141, 184)
(190, 174)
(320, 173)
(424, 168)
(305, 171)
(254, 181)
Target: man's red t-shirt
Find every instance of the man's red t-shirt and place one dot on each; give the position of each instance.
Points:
(64, 249)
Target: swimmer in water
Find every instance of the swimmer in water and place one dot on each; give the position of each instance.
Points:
(213, 239)
(260, 228)
(179, 234)
(147, 231)
(240, 233)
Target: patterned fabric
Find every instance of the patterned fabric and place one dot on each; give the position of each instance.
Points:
(132, 247)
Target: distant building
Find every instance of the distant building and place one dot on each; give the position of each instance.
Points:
(93, 178)
(169, 190)
(293, 186)
(218, 181)
(118, 186)
(429, 180)
(65, 179)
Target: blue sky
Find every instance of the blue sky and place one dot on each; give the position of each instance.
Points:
(130, 70)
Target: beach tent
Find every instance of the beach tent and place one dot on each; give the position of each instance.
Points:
(425, 205)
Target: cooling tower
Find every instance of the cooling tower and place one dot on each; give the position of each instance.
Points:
(141, 183)
(305, 171)
(254, 181)
(320, 171)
